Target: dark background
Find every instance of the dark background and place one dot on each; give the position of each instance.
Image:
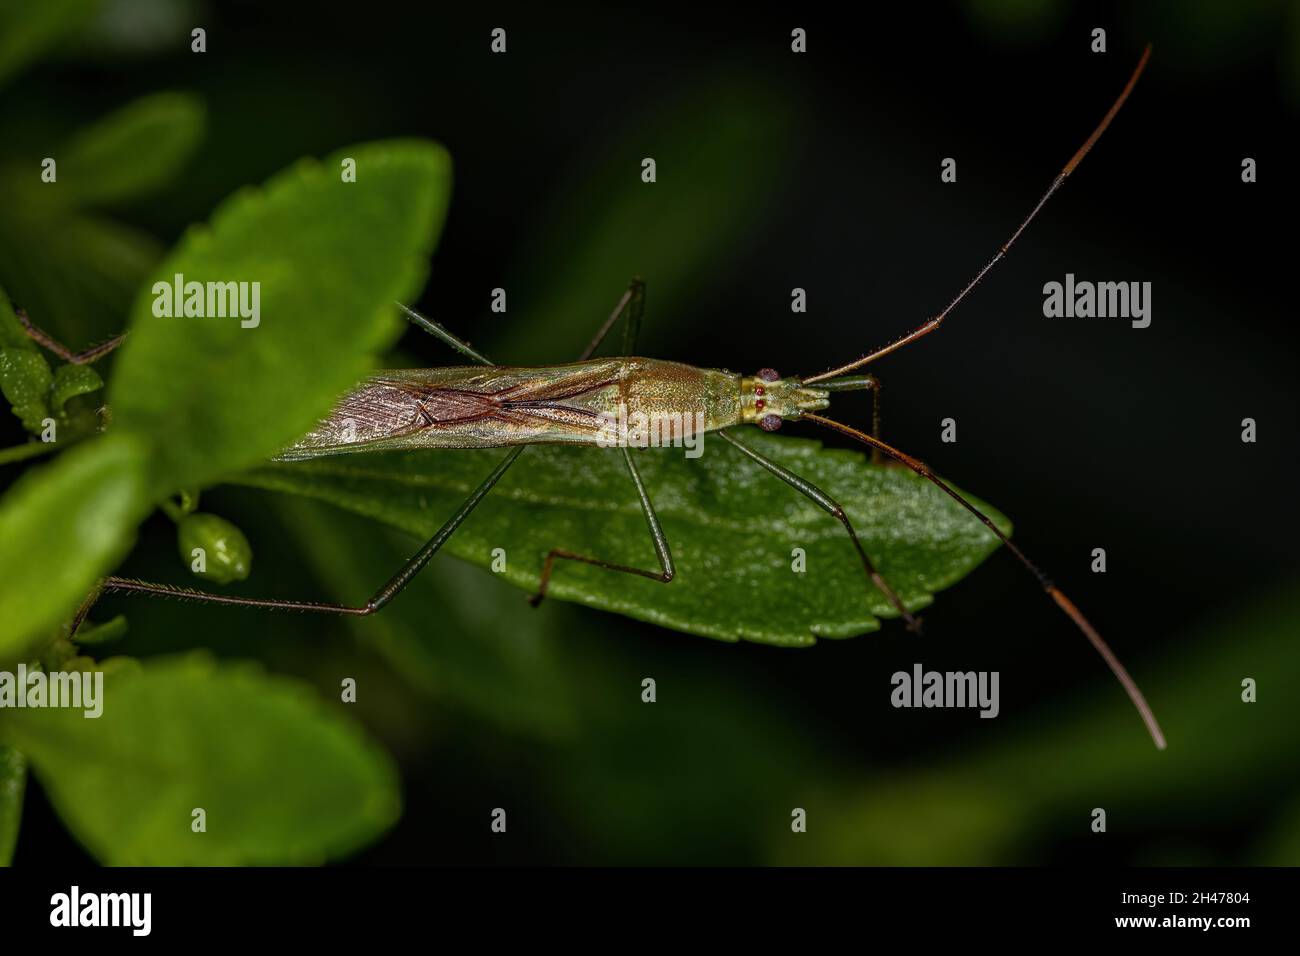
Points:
(820, 171)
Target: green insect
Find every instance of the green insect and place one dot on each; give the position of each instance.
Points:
(590, 402)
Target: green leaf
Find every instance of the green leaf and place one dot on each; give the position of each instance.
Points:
(12, 333)
(62, 526)
(133, 151)
(71, 381)
(282, 779)
(27, 30)
(212, 397)
(25, 380)
(13, 781)
(731, 526)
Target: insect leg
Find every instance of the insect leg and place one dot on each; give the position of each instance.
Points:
(438, 330)
(633, 300)
(666, 570)
(381, 597)
(832, 508)
(62, 351)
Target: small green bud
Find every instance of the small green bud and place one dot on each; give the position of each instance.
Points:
(214, 548)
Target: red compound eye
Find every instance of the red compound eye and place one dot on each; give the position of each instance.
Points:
(767, 375)
(769, 423)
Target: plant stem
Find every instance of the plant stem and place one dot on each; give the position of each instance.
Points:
(30, 450)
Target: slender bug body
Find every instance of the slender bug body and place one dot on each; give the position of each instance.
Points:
(494, 407)
(491, 406)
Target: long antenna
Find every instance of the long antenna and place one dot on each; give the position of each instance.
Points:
(1064, 603)
(931, 324)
